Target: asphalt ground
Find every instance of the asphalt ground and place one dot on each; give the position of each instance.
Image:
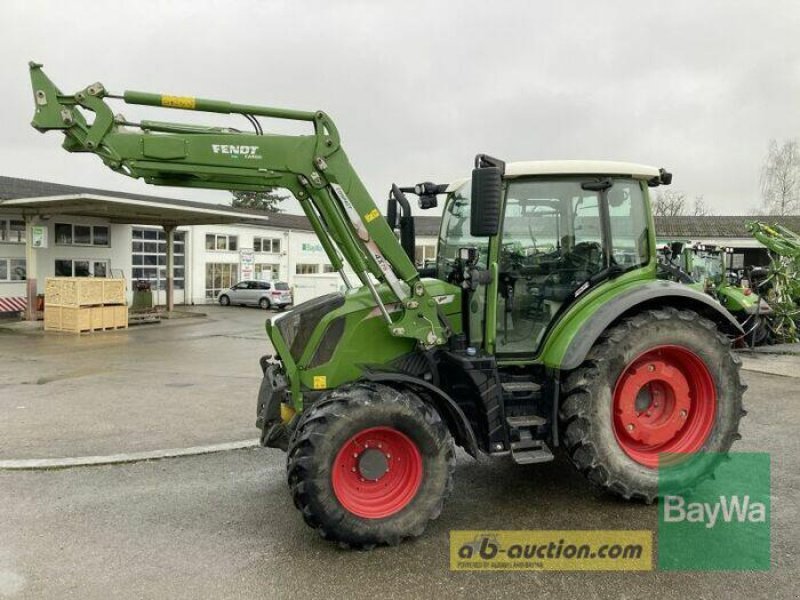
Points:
(186, 382)
(223, 525)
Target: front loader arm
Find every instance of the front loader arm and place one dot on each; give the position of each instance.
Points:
(313, 167)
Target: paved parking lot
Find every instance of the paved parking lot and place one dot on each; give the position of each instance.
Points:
(186, 382)
(223, 525)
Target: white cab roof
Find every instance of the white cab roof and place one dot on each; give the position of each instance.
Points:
(572, 167)
(579, 167)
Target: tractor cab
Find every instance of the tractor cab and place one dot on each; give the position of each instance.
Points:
(558, 237)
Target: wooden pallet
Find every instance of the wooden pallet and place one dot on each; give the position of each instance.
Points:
(83, 291)
(78, 319)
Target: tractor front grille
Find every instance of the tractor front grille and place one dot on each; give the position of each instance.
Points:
(299, 323)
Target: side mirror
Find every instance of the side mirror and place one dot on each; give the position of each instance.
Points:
(487, 191)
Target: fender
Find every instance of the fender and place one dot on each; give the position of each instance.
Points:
(648, 295)
(452, 414)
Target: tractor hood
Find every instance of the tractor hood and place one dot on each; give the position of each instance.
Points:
(331, 340)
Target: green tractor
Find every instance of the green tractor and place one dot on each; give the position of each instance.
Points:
(541, 328)
(709, 269)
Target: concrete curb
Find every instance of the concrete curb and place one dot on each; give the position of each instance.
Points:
(44, 464)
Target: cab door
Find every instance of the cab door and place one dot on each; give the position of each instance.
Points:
(551, 244)
(560, 238)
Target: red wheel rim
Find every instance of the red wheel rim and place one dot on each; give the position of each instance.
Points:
(665, 401)
(377, 473)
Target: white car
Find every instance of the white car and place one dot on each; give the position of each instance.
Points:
(266, 294)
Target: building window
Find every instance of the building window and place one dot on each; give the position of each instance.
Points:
(219, 277)
(219, 241)
(306, 269)
(267, 272)
(149, 257)
(425, 255)
(272, 245)
(81, 267)
(68, 234)
(12, 269)
(328, 269)
(12, 231)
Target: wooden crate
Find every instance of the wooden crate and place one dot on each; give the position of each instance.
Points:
(76, 319)
(83, 291)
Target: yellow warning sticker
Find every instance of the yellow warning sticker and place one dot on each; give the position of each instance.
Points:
(372, 215)
(178, 102)
(320, 382)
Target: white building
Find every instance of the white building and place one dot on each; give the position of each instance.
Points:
(208, 257)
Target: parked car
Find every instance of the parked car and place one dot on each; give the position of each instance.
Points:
(266, 294)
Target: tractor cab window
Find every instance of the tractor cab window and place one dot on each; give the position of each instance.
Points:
(454, 234)
(628, 222)
(552, 245)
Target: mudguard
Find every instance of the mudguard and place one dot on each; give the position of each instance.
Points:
(647, 295)
(452, 414)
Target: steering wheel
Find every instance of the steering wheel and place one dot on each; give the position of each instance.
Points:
(581, 255)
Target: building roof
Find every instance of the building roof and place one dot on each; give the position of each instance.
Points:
(714, 226)
(55, 195)
(427, 226)
(43, 197)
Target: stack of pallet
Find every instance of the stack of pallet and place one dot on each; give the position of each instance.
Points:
(79, 304)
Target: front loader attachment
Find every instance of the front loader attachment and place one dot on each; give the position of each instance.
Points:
(55, 110)
(313, 167)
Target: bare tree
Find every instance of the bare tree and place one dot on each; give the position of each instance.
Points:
(701, 207)
(780, 178)
(669, 204)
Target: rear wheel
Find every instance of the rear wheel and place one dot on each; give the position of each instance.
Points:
(662, 385)
(264, 303)
(369, 465)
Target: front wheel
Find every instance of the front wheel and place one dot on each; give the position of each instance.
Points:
(224, 300)
(661, 386)
(369, 465)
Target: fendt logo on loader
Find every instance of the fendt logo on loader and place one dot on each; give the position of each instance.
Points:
(236, 151)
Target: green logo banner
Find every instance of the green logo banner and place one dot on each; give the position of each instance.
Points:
(716, 524)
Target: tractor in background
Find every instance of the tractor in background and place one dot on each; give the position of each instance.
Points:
(709, 269)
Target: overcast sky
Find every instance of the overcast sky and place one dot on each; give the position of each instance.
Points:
(418, 88)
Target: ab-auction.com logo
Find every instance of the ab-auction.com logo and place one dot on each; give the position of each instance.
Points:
(551, 550)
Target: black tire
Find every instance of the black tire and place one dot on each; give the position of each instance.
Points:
(224, 300)
(325, 429)
(586, 409)
(264, 303)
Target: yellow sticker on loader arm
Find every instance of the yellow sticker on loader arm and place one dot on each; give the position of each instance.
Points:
(178, 102)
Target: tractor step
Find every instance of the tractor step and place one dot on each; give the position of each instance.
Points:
(514, 387)
(521, 421)
(528, 452)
